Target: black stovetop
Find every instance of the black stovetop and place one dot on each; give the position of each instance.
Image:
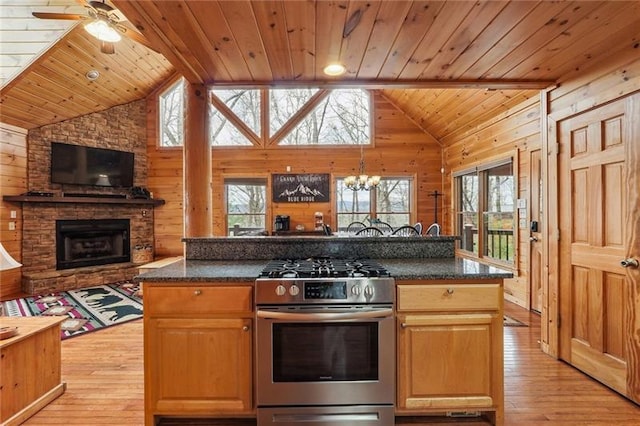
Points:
(323, 267)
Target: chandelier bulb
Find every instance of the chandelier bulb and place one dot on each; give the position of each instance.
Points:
(361, 182)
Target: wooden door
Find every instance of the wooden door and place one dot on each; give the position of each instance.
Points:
(599, 227)
(535, 233)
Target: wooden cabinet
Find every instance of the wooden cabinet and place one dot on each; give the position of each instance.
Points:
(198, 350)
(450, 348)
(30, 373)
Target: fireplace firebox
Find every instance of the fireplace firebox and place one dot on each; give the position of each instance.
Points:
(92, 242)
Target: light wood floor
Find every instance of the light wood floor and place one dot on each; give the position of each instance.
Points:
(104, 376)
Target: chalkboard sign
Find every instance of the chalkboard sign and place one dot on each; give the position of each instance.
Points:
(300, 188)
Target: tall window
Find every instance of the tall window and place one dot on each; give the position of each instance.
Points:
(246, 206)
(171, 120)
(393, 201)
(390, 202)
(485, 201)
(352, 206)
(468, 194)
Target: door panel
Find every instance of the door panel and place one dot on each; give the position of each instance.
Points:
(597, 307)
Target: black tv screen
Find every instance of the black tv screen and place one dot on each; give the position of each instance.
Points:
(83, 165)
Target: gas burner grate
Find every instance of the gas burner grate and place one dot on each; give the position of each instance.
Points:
(322, 267)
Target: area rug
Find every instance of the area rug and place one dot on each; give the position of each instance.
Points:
(512, 322)
(88, 309)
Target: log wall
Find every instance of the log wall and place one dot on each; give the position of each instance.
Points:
(400, 149)
(13, 181)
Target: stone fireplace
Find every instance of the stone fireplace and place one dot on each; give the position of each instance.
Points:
(40, 255)
(122, 128)
(91, 242)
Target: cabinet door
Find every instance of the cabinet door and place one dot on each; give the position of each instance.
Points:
(198, 366)
(446, 361)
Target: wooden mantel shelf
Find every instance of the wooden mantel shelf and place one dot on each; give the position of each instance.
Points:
(82, 200)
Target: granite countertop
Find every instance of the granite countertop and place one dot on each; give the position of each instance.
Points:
(206, 270)
(442, 269)
(248, 270)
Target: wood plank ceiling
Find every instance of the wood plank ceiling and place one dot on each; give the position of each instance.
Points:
(24, 38)
(444, 63)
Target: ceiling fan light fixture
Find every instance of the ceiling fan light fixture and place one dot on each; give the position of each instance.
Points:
(103, 31)
(334, 69)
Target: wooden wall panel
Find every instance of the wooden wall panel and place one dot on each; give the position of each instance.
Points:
(514, 134)
(615, 76)
(13, 181)
(400, 149)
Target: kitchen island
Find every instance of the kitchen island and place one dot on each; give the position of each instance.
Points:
(200, 316)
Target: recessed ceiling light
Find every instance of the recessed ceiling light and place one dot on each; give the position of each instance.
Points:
(92, 75)
(334, 69)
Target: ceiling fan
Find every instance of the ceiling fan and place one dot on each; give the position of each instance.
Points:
(104, 22)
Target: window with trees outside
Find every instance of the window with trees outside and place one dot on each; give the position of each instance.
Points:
(485, 213)
(389, 202)
(171, 110)
(241, 105)
(246, 206)
(340, 117)
(297, 116)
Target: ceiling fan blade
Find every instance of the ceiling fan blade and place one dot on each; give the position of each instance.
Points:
(107, 47)
(65, 16)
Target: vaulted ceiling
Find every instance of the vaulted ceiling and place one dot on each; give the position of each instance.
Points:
(444, 63)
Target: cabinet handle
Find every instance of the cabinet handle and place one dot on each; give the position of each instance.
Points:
(197, 292)
(403, 325)
(245, 328)
(449, 291)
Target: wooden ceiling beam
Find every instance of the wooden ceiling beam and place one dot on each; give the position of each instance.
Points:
(496, 84)
(140, 16)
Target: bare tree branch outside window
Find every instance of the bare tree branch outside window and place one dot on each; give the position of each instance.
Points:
(172, 115)
(343, 118)
(390, 202)
(245, 104)
(246, 207)
(494, 227)
(284, 103)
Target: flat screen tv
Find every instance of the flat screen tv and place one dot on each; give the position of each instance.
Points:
(83, 165)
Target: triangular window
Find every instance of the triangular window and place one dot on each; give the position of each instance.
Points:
(341, 118)
(234, 116)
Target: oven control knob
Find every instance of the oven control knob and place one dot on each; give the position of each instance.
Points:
(368, 291)
(280, 290)
(356, 290)
(294, 290)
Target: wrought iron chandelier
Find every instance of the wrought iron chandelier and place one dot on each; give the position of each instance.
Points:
(362, 182)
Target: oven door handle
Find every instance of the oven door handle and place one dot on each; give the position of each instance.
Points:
(325, 316)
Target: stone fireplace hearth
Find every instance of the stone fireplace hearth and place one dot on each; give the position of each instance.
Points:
(39, 257)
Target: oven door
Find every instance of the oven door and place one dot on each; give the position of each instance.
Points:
(325, 355)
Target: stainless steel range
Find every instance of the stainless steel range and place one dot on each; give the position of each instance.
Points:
(325, 343)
